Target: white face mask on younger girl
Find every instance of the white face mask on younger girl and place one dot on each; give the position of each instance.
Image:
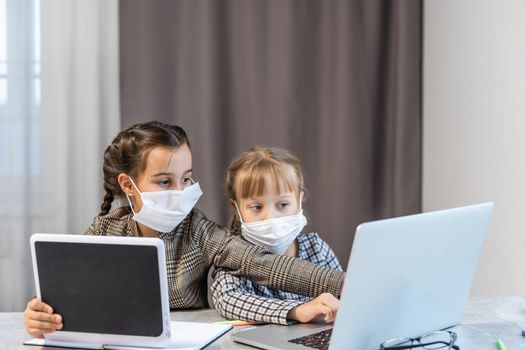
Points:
(275, 234)
(164, 210)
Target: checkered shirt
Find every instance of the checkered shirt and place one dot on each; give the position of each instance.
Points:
(237, 297)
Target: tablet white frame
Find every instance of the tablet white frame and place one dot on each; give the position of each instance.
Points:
(98, 340)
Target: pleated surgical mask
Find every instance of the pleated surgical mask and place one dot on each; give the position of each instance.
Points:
(164, 210)
(275, 234)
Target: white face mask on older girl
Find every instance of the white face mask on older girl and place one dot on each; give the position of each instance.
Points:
(275, 234)
(164, 210)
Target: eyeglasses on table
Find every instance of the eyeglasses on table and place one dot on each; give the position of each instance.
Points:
(439, 340)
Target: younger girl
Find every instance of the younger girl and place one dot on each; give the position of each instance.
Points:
(150, 164)
(266, 187)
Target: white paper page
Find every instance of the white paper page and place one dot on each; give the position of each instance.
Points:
(184, 336)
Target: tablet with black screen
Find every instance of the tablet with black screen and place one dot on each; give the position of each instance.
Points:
(109, 290)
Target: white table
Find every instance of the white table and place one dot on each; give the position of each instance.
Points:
(485, 320)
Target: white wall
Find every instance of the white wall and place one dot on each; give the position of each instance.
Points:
(474, 125)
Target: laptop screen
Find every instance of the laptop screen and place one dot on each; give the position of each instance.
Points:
(102, 288)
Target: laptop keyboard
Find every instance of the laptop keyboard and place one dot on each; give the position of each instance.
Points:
(319, 340)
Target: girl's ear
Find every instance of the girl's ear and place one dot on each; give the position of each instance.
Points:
(301, 196)
(125, 184)
(232, 205)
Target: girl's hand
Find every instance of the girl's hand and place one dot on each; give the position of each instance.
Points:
(325, 306)
(39, 319)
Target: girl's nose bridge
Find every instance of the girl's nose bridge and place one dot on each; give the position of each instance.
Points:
(271, 212)
(178, 184)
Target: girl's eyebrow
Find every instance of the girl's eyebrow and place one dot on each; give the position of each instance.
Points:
(171, 174)
(162, 174)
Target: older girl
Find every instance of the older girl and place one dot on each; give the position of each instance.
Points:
(151, 165)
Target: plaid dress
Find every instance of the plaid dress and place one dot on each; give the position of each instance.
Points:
(198, 243)
(237, 297)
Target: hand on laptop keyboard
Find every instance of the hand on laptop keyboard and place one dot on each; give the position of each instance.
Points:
(324, 306)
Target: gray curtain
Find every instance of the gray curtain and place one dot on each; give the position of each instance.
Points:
(336, 82)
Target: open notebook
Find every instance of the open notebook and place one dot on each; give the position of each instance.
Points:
(112, 293)
(184, 335)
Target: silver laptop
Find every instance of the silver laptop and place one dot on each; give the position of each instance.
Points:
(112, 293)
(406, 276)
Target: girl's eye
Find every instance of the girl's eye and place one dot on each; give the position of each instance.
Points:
(283, 205)
(164, 182)
(187, 180)
(256, 207)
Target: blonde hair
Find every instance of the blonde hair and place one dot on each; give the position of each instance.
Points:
(250, 173)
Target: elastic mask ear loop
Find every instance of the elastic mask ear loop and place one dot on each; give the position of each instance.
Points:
(238, 212)
(127, 195)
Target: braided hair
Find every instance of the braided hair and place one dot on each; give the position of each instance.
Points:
(129, 151)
